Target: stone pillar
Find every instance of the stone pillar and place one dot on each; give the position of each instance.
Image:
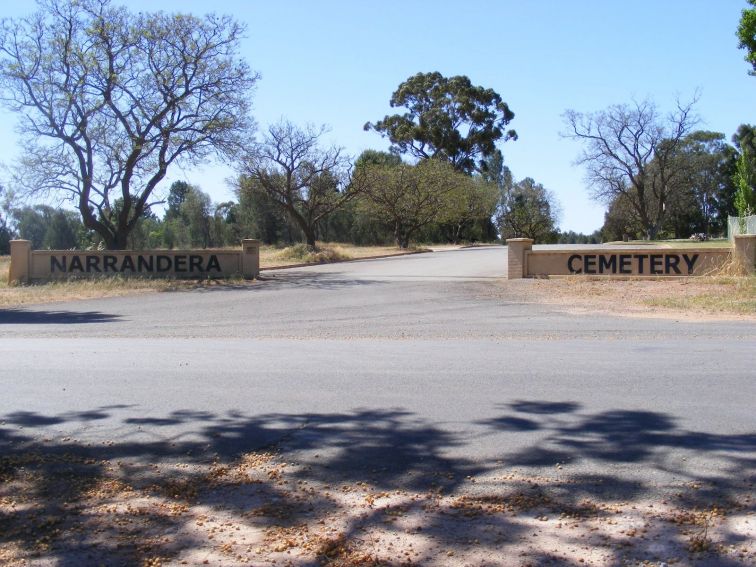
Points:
(745, 251)
(20, 266)
(250, 258)
(516, 266)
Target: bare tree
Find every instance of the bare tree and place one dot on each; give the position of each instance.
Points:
(629, 151)
(307, 182)
(108, 100)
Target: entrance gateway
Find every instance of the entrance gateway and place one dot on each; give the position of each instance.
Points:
(524, 262)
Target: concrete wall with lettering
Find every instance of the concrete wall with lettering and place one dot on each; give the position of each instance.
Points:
(624, 262)
(629, 262)
(44, 265)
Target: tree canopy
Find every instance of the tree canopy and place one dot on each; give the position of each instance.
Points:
(528, 210)
(405, 197)
(747, 34)
(108, 100)
(448, 119)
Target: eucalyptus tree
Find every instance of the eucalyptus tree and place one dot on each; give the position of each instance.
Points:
(446, 118)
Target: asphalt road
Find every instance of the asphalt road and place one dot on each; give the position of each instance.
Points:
(408, 366)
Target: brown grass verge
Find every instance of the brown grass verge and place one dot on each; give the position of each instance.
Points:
(693, 298)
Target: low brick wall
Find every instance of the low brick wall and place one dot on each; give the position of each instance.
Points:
(626, 262)
(29, 265)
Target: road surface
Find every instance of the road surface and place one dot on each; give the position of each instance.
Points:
(406, 366)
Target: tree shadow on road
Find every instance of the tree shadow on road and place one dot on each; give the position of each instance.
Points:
(624, 438)
(46, 317)
(332, 487)
(311, 280)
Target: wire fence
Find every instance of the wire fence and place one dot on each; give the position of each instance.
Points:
(734, 226)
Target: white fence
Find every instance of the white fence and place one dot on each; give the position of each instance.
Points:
(733, 226)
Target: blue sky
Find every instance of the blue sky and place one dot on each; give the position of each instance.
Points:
(337, 63)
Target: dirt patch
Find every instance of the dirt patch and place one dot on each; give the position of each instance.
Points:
(261, 509)
(685, 298)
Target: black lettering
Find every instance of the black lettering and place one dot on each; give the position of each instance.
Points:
(143, 264)
(571, 267)
(690, 261)
(128, 264)
(75, 264)
(195, 263)
(624, 264)
(655, 263)
(589, 263)
(57, 264)
(164, 263)
(640, 258)
(606, 262)
(213, 264)
(109, 264)
(93, 263)
(179, 264)
(670, 263)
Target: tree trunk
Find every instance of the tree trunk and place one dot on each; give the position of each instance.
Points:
(308, 230)
(119, 241)
(400, 236)
(403, 240)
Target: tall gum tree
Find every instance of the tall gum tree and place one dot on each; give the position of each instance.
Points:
(447, 118)
(108, 100)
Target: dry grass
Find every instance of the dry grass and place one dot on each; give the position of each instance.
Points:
(273, 256)
(735, 295)
(270, 256)
(703, 297)
(13, 296)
